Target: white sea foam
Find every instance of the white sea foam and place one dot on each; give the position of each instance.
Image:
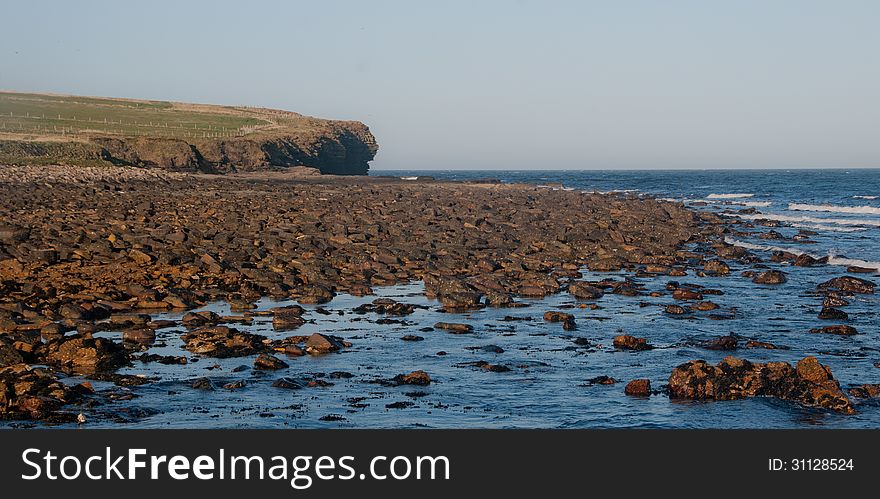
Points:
(830, 208)
(805, 219)
(409, 178)
(753, 204)
(729, 196)
(865, 197)
(830, 228)
(832, 259)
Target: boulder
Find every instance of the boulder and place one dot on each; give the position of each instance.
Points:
(809, 383)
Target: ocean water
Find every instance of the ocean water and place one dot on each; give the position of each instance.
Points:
(547, 385)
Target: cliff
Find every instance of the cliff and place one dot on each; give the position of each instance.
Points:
(47, 129)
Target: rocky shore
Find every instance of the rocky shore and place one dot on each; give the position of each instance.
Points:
(88, 251)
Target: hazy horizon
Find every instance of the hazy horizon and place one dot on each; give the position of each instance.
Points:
(496, 85)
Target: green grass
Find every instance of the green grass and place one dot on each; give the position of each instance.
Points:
(70, 116)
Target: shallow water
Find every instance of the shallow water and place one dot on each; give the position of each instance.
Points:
(546, 387)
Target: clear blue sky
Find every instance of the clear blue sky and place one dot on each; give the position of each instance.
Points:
(493, 84)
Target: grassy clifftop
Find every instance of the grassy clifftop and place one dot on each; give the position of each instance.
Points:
(47, 129)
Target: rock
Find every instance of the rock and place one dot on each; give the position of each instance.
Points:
(770, 277)
(222, 342)
(583, 291)
(833, 314)
(202, 384)
(419, 378)
(319, 344)
(287, 318)
(268, 362)
(810, 383)
(82, 354)
(704, 306)
(728, 342)
(833, 300)
(842, 330)
(456, 328)
(865, 391)
(716, 267)
(200, 319)
(638, 388)
(556, 316)
(627, 342)
(411, 337)
(27, 393)
(386, 306)
(454, 302)
(848, 284)
(763, 344)
(805, 260)
(8, 354)
(686, 294)
(143, 336)
(287, 384)
(601, 380)
(676, 310)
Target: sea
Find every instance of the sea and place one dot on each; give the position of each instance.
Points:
(548, 384)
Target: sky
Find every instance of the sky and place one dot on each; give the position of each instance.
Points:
(493, 84)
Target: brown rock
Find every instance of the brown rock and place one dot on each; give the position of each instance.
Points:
(638, 388)
(627, 342)
(770, 277)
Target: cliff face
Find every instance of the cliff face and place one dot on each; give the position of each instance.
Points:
(176, 136)
(342, 148)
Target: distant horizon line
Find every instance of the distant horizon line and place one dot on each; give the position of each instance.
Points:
(769, 168)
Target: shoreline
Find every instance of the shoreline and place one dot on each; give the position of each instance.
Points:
(140, 250)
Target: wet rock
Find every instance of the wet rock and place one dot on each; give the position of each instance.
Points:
(841, 330)
(583, 291)
(556, 316)
(287, 318)
(704, 306)
(454, 327)
(627, 342)
(142, 336)
(809, 383)
(411, 337)
(320, 344)
(268, 362)
(200, 319)
(287, 384)
(386, 306)
(638, 388)
(419, 378)
(833, 300)
(770, 277)
(687, 294)
(27, 393)
(764, 344)
(716, 267)
(805, 260)
(676, 310)
(315, 295)
(848, 284)
(865, 391)
(202, 384)
(8, 354)
(83, 354)
(728, 342)
(222, 342)
(601, 380)
(235, 385)
(833, 314)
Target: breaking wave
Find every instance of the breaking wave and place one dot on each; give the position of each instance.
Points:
(729, 196)
(804, 219)
(832, 259)
(864, 210)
